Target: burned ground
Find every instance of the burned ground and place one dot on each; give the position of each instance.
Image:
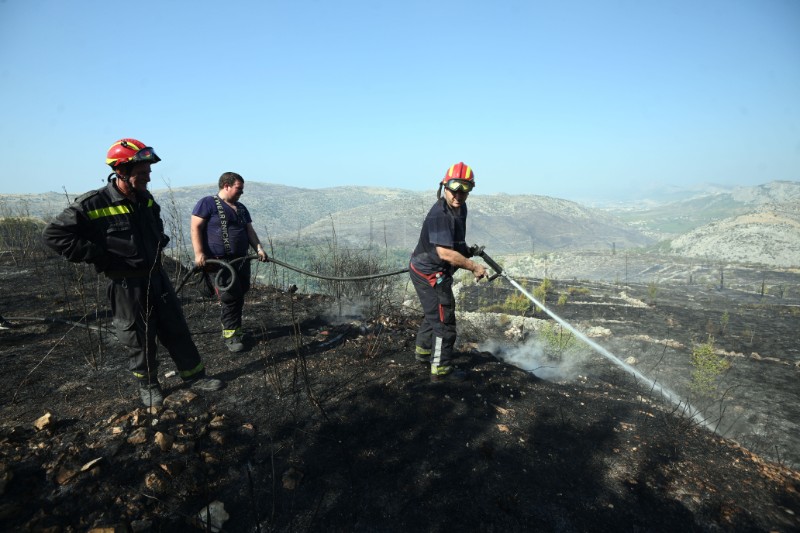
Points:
(330, 425)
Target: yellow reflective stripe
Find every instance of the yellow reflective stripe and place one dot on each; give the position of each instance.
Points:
(108, 211)
(468, 174)
(228, 333)
(189, 373)
(441, 370)
(450, 172)
(113, 210)
(423, 351)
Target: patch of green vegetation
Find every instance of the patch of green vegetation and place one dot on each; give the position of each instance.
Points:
(707, 366)
(556, 339)
(514, 304)
(578, 290)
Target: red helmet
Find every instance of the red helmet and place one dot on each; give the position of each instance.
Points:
(462, 176)
(130, 151)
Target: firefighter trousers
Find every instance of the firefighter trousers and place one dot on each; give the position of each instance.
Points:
(232, 300)
(146, 309)
(437, 332)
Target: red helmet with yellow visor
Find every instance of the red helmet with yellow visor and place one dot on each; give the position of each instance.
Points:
(130, 151)
(459, 177)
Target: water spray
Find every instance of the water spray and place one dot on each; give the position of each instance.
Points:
(682, 405)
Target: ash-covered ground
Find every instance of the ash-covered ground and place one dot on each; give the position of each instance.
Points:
(328, 424)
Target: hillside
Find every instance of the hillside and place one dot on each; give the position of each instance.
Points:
(770, 235)
(669, 219)
(359, 216)
(746, 224)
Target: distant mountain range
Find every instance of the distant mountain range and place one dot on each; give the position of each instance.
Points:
(755, 224)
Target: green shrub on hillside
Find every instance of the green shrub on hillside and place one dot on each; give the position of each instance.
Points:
(707, 366)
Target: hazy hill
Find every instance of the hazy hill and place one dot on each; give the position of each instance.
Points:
(669, 219)
(751, 224)
(504, 223)
(388, 217)
(770, 235)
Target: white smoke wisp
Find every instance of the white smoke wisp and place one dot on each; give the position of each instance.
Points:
(346, 311)
(532, 356)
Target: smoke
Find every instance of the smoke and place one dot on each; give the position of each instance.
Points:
(346, 310)
(534, 357)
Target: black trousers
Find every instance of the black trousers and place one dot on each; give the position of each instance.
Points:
(146, 309)
(232, 300)
(437, 333)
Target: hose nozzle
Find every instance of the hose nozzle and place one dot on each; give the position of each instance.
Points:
(479, 251)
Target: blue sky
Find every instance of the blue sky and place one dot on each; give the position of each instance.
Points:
(574, 99)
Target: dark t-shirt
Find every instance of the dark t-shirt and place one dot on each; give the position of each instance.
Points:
(237, 219)
(445, 227)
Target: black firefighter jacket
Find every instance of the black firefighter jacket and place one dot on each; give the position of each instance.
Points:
(119, 237)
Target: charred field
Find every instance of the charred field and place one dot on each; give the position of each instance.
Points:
(328, 424)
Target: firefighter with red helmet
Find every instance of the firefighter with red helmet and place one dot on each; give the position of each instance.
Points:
(119, 230)
(440, 251)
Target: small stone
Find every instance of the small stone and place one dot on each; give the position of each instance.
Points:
(139, 436)
(173, 468)
(217, 422)
(43, 421)
(291, 478)
(156, 483)
(91, 464)
(179, 398)
(64, 475)
(169, 415)
(164, 441)
(117, 418)
(183, 447)
(213, 517)
(209, 458)
(217, 437)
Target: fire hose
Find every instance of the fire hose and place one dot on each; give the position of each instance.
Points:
(227, 268)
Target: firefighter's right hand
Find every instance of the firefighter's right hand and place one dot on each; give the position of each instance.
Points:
(200, 260)
(479, 272)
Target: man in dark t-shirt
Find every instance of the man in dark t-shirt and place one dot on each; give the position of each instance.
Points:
(441, 250)
(222, 229)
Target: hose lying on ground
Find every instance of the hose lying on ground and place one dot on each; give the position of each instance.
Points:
(229, 267)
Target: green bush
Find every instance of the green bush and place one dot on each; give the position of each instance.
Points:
(707, 366)
(557, 341)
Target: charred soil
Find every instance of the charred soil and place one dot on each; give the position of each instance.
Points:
(331, 425)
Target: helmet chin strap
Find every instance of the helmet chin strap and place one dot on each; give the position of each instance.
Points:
(114, 175)
(123, 183)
